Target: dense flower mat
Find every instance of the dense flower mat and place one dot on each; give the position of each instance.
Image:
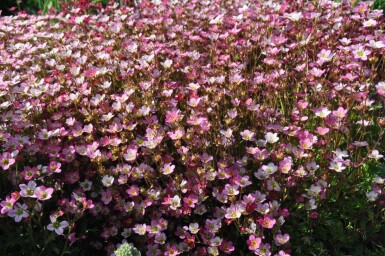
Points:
(187, 128)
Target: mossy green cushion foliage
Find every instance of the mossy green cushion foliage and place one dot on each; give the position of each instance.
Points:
(127, 250)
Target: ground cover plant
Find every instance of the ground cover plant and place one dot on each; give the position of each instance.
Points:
(193, 128)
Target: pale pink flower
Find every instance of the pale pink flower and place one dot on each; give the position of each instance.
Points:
(282, 239)
(247, 135)
(43, 193)
(325, 56)
(167, 169)
(234, 211)
(361, 53)
(340, 112)
(131, 153)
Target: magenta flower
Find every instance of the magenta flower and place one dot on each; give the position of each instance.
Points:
(253, 242)
(226, 247)
(267, 222)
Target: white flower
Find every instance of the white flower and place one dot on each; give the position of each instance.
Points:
(337, 166)
(126, 232)
(378, 180)
(294, 16)
(311, 205)
(193, 228)
(376, 44)
(271, 137)
(372, 195)
(28, 190)
(175, 202)
(86, 185)
(314, 190)
(339, 154)
(57, 226)
(323, 112)
(167, 63)
(369, 23)
(140, 229)
(375, 155)
(218, 19)
(360, 143)
(18, 212)
(193, 86)
(107, 181)
(270, 168)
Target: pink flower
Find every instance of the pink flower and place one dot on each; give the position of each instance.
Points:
(247, 135)
(6, 160)
(7, 205)
(106, 196)
(173, 116)
(267, 222)
(191, 200)
(325, 56)
(340, 112)
(322, 130)
(43, 193)
(171, 251)
(282, 239)
(131, 153)
(381, 88)
(227, 247)
(133, 191)
(253, 242)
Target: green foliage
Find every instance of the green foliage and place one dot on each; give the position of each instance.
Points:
(379, 4)
(127, 250)
(347, 224)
